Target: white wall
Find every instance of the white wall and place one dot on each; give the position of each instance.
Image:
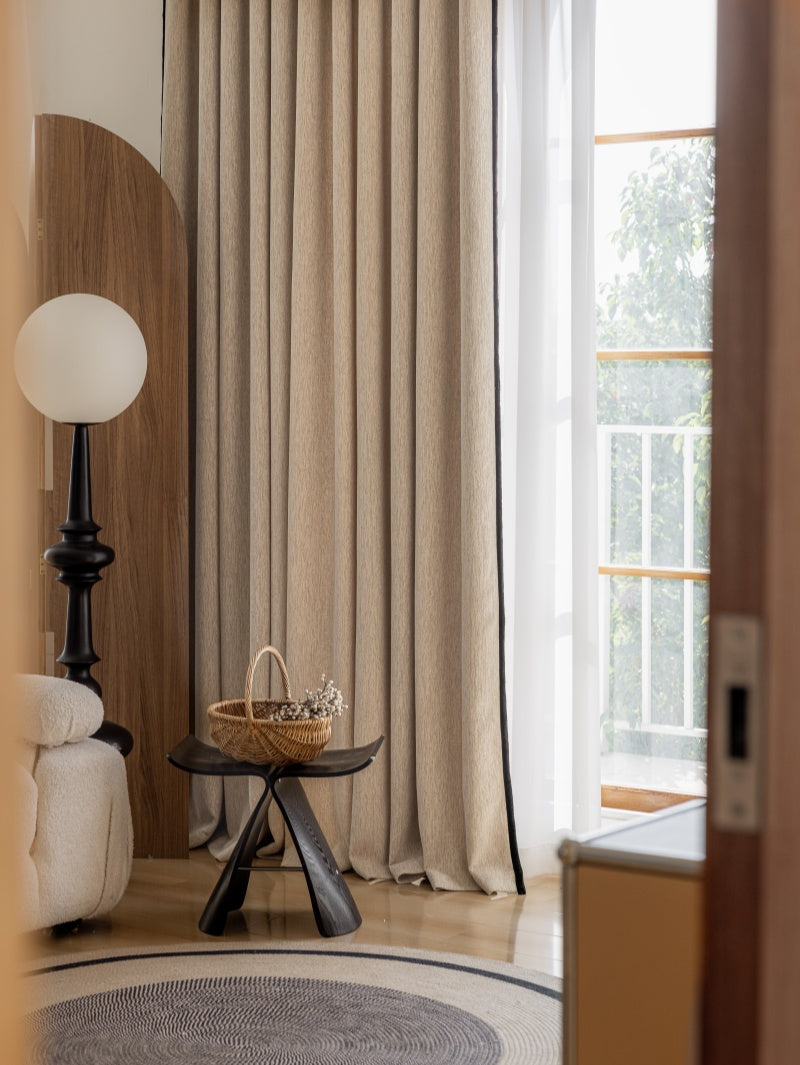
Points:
(100, 60)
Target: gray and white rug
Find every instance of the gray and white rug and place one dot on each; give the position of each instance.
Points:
(293, 1004)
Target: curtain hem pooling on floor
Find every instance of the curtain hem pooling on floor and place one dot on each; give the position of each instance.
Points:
(334, 166)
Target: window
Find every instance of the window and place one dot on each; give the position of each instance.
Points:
(654, 210)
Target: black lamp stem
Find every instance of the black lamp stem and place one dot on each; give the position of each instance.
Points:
(79, 557)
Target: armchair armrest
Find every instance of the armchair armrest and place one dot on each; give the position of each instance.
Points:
(51, 711)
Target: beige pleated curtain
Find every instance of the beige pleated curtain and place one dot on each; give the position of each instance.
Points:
(333, 165)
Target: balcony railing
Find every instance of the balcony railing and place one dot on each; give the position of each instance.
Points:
(640, 562)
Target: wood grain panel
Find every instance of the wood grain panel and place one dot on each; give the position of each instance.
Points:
(779, 1035)
(640, 800)
(111, 227)
(637, 968)
(738, 492)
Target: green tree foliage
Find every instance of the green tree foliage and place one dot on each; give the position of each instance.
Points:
(665, 242)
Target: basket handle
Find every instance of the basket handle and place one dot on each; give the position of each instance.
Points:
(248, 686)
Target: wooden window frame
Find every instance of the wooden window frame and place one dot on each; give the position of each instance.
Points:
(654, 135)
(655, 355)
(641, 800)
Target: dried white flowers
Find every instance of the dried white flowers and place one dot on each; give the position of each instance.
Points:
(326, 701)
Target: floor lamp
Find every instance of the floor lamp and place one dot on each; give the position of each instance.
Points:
(81, 359)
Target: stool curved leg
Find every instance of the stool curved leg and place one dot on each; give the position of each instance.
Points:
(334, 909)
(231, 888)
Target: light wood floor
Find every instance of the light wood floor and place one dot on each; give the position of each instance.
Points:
(165, 899)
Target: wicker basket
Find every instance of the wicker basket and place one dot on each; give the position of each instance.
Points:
(240, 729)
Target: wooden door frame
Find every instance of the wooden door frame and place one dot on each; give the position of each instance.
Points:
(752, 927)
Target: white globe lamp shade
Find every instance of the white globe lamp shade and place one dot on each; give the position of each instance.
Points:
(80, 359)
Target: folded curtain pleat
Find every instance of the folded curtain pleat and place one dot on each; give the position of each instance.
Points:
(340, 225)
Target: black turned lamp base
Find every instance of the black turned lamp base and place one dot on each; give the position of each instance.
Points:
(79, 556)
(115, 736)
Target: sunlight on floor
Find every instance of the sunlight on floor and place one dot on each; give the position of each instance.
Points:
(165, 899)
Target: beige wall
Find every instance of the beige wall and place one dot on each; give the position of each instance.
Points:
(100, 60)
(17, 482)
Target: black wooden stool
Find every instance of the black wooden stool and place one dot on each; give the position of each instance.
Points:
(334, 909)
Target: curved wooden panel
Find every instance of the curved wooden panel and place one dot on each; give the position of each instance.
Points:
(108, 225)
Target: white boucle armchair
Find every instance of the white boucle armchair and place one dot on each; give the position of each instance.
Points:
(74, 817)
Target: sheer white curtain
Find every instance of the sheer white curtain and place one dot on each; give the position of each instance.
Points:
(545, 206)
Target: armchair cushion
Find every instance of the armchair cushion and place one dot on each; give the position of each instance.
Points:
(74, 833)
(52, 711)
(84, 841)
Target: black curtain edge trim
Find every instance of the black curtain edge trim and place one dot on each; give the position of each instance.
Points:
(512, 827)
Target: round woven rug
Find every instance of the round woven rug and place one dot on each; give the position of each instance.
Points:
(293, 1004)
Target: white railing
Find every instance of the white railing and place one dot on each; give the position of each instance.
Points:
(646, 570)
